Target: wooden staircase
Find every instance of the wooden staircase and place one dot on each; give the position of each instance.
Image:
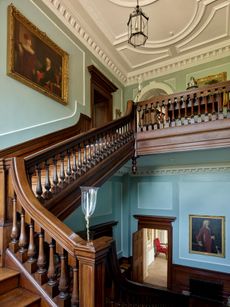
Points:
(12, 293)
(40, 186)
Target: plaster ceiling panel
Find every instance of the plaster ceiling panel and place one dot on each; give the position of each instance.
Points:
(213, 29)
(160, 30)
(181, 33)
(136, 58)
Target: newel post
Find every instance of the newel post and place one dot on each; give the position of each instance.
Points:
(5, 202)
(92, 272)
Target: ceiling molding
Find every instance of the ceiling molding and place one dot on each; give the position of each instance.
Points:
(128, 64)
(208, 21)
(182, 62)
(74, 25)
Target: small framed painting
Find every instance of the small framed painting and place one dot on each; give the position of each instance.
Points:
(206, 235)
(34, 59)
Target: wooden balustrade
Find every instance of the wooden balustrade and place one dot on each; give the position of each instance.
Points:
(69, 269)
(52, 170)
(195, 119)
(58, 259)
(185, 108)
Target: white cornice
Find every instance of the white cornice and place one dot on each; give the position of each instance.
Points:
(198, 57)
(63, 13)
(182, 62)
(177, 170)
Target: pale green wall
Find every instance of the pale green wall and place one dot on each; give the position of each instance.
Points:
(26, 113)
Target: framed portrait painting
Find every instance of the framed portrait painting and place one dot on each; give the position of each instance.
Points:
(206, 235)
(34, 59)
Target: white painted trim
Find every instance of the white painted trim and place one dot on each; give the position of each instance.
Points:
(182, 170)
(43, 124)
(154, 84)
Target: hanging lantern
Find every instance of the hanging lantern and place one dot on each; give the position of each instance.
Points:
(137, 27)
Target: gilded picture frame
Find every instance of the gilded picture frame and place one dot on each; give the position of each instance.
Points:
(207, 235)
(34, 59)
(212, 79)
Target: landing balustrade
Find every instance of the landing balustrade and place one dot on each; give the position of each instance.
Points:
(206, 104)
(195, 119)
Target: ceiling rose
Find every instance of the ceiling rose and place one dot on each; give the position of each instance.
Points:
(132, 3)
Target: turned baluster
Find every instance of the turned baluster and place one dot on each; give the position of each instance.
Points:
(108, 143)
(55, 187)
(39, 191)
(173, 113)
(206, 117)
(52, 283)
(75, 290)
(47, 194)
(97, 156)
(41, 274)
(62, 183)
(69, 169)
(212, 100)
(90, 153)
(186, 100)
(148, 116)
(15, 231)
(22, 243)
(220, 105)
(160, 104)
(199, 108)
(31, 264)
(63, 281)
(93, 151)
(79, 163)
(191, 102)
(74, 166)
(166, 114)
(179, 111)
(84, 163)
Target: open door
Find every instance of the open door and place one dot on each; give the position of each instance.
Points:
(138, 256)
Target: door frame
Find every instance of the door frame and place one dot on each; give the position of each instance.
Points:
(163, 223)
(105, 87)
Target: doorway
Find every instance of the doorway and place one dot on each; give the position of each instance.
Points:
(156, 261)
(101, 98)
(145, 251)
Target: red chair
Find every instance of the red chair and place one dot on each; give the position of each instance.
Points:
(160, 248)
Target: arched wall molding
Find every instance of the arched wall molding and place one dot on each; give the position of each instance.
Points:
(154, 85)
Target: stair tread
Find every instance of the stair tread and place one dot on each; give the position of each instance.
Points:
(7, 273)
(18, 297)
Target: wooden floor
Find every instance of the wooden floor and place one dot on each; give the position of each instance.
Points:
(157, 272)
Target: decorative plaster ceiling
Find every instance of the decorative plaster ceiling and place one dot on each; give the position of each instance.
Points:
(182, 33)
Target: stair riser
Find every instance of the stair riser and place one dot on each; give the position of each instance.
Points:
(9, 284)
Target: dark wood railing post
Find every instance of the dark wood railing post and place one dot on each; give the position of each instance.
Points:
(5, 224)
(92, 273)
